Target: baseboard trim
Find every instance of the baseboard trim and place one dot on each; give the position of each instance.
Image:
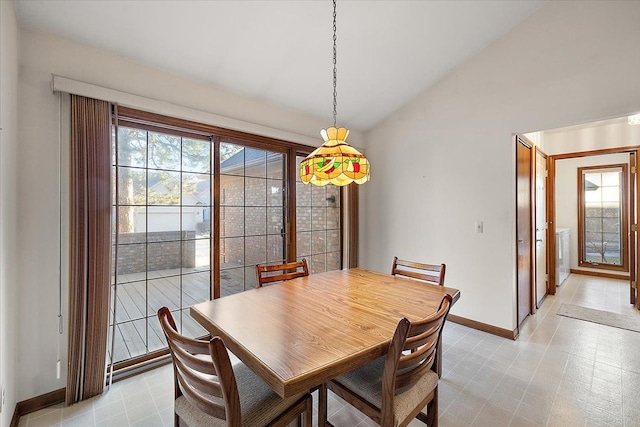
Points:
(490, 329)
(59, 396)
(15, 420)
(39, 402)
(541, 302)
(600, 274)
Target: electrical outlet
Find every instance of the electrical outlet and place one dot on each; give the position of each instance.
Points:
(4, 397)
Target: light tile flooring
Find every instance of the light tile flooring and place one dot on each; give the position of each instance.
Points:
(560, 372)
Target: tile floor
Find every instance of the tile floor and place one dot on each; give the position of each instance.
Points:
(560, 372)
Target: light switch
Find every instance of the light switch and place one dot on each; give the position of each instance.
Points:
(478, 226)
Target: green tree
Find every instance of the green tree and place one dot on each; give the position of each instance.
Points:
(228, 150)
(168, 154)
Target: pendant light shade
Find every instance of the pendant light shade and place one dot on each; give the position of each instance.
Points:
(334, 162)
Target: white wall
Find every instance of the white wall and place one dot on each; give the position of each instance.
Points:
(447, 159)
(567, 195)
(9, 43)
(40, 56)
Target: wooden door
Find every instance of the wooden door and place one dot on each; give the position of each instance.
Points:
(523, 228)
(541, 228)
(633, 230)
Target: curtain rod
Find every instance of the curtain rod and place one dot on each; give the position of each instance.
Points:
(76, 87)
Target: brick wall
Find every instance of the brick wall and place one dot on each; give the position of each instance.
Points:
(251, 220)
(161, 252)
(251, 215)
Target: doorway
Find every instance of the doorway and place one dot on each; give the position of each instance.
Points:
(564, 214)
(611, 136)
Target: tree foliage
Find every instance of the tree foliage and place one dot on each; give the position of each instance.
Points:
(165, 156)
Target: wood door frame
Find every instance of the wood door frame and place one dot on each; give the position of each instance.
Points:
(551, 220)
(519, 139)
(551, 210)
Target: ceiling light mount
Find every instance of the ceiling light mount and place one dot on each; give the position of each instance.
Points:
(334, 162)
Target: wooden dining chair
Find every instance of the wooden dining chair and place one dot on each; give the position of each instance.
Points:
(394, 389)
(209, 391)
(280, 272)
(429, 273)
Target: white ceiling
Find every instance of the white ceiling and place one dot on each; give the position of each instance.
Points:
(624, 121)
(280, 52)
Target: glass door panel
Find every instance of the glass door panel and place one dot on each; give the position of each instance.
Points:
(318, 225)
(603, 217)
(163, 243)
(252, 214)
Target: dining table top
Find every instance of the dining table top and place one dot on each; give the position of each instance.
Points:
(300, 333)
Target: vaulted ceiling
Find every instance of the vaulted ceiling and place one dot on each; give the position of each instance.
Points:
(280, 52)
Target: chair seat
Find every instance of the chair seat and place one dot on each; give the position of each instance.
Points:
(258, 403)
(367, 381)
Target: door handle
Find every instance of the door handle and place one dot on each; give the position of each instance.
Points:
(520, 241)
(539, 240)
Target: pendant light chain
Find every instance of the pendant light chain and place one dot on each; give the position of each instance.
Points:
(335, 162)
(335, 68)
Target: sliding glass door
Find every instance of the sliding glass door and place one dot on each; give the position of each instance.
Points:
(162, 250)
(194, 211)
(253, 213)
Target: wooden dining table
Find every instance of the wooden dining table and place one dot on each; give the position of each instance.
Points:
(300, 333)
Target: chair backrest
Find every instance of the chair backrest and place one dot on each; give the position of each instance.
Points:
(411, 354)
(429, 273)
(280, 272)
(202, 372)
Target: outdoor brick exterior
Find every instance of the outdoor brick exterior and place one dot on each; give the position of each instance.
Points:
(163, 251)
(252, 221)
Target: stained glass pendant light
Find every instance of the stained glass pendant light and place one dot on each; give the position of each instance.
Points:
(334, 162)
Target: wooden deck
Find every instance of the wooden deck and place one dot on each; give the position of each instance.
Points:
(140, 295)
